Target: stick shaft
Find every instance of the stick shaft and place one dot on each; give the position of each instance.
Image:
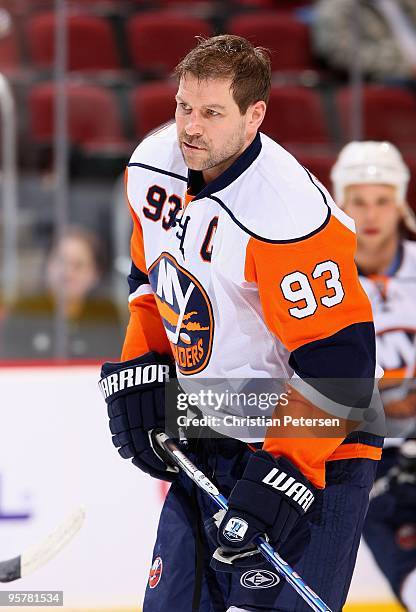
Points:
(203, 482)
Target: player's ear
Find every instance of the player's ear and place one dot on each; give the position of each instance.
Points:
(256, 114)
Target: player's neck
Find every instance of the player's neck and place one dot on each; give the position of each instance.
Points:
(377, 259)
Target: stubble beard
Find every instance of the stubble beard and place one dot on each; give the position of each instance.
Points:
(232, 149)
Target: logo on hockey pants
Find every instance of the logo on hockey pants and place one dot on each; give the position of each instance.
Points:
(235, 529)
(259, 579)
(155, 573)
(406, 536)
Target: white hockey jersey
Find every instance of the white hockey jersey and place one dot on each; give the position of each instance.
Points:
(393, 300)
(252, 275)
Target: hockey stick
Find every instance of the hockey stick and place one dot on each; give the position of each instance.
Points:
(203, 482)
(36, 556)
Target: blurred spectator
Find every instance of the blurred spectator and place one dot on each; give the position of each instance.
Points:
(387, 35)
(74, 266)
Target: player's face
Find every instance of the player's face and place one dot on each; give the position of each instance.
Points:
(212, 132)
(375, 211)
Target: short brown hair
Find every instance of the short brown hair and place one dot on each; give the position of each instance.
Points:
(234, 57)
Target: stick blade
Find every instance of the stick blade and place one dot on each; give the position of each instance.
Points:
(36, 556)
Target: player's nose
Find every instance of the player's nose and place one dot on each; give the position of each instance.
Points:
(372, 213)
(193, 126)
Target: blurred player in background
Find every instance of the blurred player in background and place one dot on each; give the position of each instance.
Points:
(238, 256)
(370, 183)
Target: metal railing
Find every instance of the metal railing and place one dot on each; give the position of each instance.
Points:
(9, 192)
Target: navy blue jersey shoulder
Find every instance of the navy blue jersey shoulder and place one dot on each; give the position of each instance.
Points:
(349, 353)
(342, 366)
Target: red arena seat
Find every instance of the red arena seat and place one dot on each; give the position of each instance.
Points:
(91, 42)
(389, 113)
(152, 105)
(158, 40)
(285, 5)
(93, 115)
(287, 38)
(9, 46)
(256, 4)
(320, 166)
(180, 3)
(295, 115)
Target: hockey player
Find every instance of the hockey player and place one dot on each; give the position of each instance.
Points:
(242, 267)
(370, 183)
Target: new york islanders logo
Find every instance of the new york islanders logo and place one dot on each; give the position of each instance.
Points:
(396, 352)
(155, 573)
(186, 313)
(406, 537)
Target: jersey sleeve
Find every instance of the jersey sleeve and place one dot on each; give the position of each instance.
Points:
(314, 304)
(145, 331)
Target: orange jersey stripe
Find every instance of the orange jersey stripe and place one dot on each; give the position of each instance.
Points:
(307, 453)
(145, 331)
(356, 451)
(136, 243)
(310, 455)
(269, 264)
(398, 373)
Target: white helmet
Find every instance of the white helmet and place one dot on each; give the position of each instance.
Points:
(373, 162)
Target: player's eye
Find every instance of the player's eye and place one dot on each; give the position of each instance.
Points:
(212, 113)
(185, 107)
(383, 201)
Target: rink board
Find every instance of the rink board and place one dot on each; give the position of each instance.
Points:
(56, 453)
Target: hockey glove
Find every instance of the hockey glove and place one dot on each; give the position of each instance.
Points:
(268, 500)
(135, 394)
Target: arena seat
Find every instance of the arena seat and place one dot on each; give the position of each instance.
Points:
(9, 49)
(389, 113)
(287, 38)
(273, 4)
(320, 166)
(91, 42)
(182, 3)
(295, 115)
(93, 115)
(152, 105)
(158, 40)
(255, 4)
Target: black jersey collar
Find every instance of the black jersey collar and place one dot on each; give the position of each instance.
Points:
(197, 186)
